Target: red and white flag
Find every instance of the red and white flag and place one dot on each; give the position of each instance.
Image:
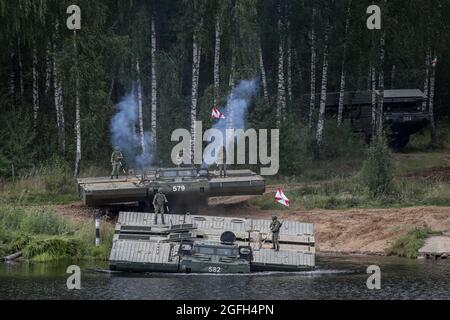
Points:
(216, 114)
(434, 62)
(281, 198)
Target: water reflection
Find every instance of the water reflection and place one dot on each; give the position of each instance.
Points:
(335, 278)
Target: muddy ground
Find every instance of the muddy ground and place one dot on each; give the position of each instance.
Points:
(355, 231)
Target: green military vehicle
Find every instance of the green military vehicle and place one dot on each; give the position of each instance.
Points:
(186, 188)
(403, 112)
(215, 257)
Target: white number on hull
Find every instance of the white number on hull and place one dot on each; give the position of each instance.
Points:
(179, 188)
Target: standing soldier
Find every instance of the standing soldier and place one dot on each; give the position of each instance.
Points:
(222, 161)
(180, 158)
(116, 162)
(275, 227)
(159, 201)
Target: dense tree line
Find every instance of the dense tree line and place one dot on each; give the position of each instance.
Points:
(59, 88)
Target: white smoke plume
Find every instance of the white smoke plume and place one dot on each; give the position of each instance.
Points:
(236, 107)
(125, 137)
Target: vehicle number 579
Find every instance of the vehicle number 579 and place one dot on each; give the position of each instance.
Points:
(214, 270)
(179, 188)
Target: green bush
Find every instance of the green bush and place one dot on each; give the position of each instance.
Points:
(44, 222)
(56, 247)
(408, 246)
(377, 171)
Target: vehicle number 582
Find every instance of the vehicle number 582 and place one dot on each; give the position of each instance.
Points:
(214, 270)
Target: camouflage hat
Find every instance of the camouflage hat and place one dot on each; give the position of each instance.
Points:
(274, 217)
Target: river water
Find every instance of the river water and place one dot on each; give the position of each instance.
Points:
(335, 278)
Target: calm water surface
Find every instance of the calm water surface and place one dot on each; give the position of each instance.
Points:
(335, 278)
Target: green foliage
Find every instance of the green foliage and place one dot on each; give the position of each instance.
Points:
(44, 236)
(408, 245)
(377, 171)
(55, 247)
(43, 222)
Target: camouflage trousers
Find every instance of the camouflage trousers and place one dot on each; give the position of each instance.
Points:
(115, 169)
(275, 241)
(159, 210)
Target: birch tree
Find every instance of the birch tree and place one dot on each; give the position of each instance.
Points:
(312, 103)
(154, 86)
(48, 68)
(343, 73)
(263, 74)
(323, 95)
(281, 96)
(140, 111)
(218, 34)
(381, 84)
(196, 56)
(289, 70)
(77, 110)
(374, 100)
(426, 84)
(58, 97)
(431, 102)
(35, 87)
(12, 83)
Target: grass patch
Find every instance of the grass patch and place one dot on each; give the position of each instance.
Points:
(43, 236)
(347, 193)
(408, 245)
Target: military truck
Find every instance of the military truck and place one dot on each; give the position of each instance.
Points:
(403, 113)
(186, 188)
(215, 257)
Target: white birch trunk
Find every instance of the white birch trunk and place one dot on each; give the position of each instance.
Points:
(343, 75)
(381, 85)
(426, 86)
(48, 68)
(35, 87)
(12, 83)
(140, 112)
(312, 103)
(289, 71)
(263, 74)
(281, 96)
(77, 113)
(196, 56)
(58, 98)
(374, 100)
(154, 87)
(323, 93)
(431, 102)
(217, 62)
(230, 112)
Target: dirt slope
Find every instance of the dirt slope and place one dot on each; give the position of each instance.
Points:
(367, 231)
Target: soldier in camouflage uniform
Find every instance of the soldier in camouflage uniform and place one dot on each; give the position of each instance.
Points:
(275, 227)
(159, 201)
(222, 162)
(116, 162)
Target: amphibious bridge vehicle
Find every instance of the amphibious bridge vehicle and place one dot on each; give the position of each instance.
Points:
(208, 244)
(185, 188)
